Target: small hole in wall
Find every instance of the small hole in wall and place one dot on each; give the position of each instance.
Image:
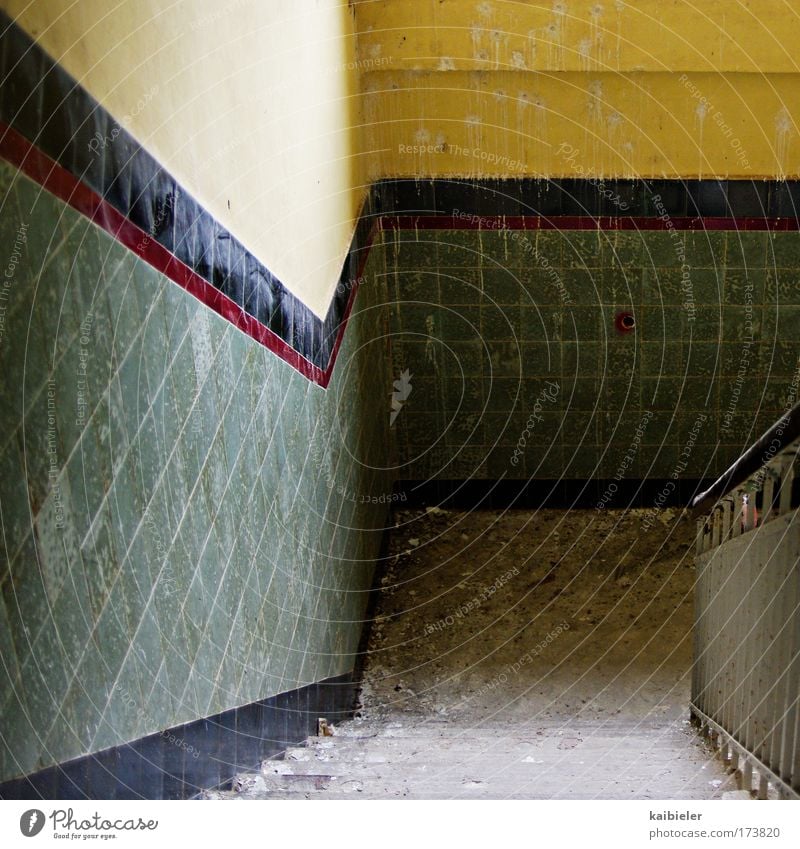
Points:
(625, 322)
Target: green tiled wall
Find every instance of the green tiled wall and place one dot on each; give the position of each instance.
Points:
(188, 525)
(483, 318)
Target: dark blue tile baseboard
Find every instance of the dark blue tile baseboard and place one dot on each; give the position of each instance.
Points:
(181, 762)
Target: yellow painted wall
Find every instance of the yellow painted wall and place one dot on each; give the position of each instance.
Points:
(255, 106)
(504, 123)
(252, 105)
(656, 88)
(759, 36)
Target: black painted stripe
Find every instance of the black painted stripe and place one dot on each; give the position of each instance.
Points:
(566, 199)
(180, 762)
(46, 106)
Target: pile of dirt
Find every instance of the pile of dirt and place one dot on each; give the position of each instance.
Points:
(505, 616)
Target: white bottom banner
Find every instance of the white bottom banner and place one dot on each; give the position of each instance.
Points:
(334, 824)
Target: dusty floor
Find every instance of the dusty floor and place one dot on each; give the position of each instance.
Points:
(520, 655)
(499, 617)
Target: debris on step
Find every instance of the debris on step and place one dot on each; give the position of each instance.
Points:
(276, 768)
(249, 784)
(324, 729)
(733, 795)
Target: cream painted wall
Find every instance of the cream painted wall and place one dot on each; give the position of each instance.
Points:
(251, 104)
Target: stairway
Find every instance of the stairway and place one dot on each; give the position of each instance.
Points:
(519, 655)
(437, 761)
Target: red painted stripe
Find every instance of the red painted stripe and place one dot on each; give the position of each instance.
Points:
(580, 222)
(364, 255)
(65, 186)
(41, 168)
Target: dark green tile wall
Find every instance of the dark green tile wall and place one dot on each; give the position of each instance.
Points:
(482, 319)
(188, 525)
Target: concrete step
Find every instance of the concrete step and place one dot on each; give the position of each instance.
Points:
(399, 748)
(547, 761)
(555, 766)
(522, 770)
(520, 731)
(490, 794)
(400, 783)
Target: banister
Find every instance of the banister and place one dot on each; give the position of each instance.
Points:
(779, 436)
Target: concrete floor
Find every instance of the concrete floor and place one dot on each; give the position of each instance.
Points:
(521, 654)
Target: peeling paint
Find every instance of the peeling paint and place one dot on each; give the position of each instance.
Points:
(585, 52)
(699, 120)
(784, 129)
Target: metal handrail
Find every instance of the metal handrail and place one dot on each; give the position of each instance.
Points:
(785, 431)
(746, 671)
